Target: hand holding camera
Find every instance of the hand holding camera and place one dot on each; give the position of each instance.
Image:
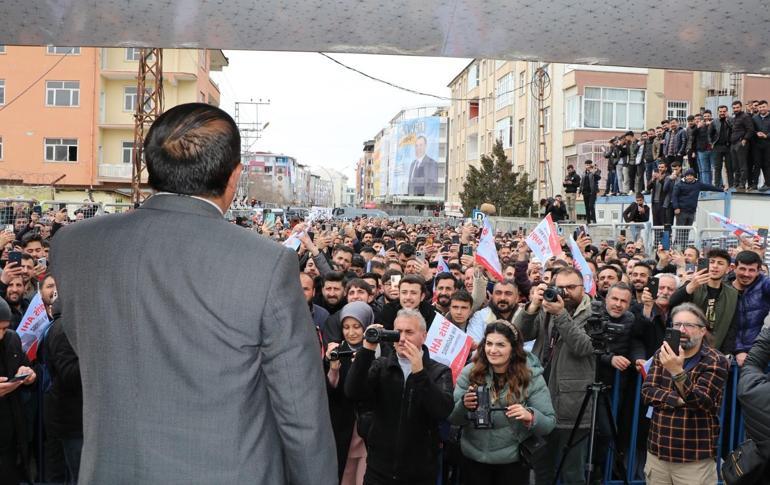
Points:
(470, 400)
(376, 333)
(553, 300)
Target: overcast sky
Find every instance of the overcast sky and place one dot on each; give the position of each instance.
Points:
(321, 113)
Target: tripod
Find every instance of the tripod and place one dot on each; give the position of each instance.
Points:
(595, 392)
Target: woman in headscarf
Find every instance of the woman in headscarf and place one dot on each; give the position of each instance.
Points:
(351, 452)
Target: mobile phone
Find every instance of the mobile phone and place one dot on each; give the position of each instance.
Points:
(420, 255)
(42, 262)
(665, 240)
(455, 239)
(611, 243)
(703, 263)
(689, 268)
(17, 378)
(395, 280)
(390, 245)
(14, 257)
(9, 227)
(560, 230)
(652, 285)
(467, 250)
(673, 337)
(762, 233)
(623, 232)
(324, 227)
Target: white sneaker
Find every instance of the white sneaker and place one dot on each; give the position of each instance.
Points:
(631, 192)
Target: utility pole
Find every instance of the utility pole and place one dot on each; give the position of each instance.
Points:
(250, 128)
(149, 105)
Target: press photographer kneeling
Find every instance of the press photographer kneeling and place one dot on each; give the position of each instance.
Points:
(501, 399)
(410, 394)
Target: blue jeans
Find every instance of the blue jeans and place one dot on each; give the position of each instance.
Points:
(704, 167)
(612, 183)
(649, 168)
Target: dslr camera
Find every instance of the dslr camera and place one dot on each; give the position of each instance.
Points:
(552, 294)
(482, 416)
(376, 335)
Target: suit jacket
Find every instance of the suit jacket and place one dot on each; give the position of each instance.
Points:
(198, 358)
(424, 180)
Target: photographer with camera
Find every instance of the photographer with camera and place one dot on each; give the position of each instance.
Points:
(505, 397)
(556, 318)
(410, 394)
(351, 452)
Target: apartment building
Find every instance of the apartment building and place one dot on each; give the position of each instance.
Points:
(75, 125)
(581, 108)
(365, 175)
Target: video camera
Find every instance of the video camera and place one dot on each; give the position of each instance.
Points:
(376, 335)
(600, 329)
(337, 354)
(482, 416)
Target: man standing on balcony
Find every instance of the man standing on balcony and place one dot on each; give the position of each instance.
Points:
(589, 187)
(571, 186)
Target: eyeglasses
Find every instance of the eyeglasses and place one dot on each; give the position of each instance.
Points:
(569, 287)
(687, 325)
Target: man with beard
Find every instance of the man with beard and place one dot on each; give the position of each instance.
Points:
(14, 295)
(639, 276)
(650, 326)
(356, 290)
(504, 253)
(318, 312)
(445, 285)
(684, 389)
(608, 276)
(719, 134)
(566, 352)
(502, 306)
(753, 303)
(332, 293)
(709, 292)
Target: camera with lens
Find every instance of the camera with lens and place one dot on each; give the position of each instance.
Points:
(338, 354)
(376, 335)
(552, 294)
(600, 329)
(482, 416)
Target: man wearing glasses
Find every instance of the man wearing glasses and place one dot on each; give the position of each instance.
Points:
(565, 350)
(684, 390)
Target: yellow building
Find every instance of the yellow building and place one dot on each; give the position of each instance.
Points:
(74, 127)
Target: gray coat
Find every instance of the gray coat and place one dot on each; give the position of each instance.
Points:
(197, 352)
(573, 363)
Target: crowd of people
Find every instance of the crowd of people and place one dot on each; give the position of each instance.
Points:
(174, 369)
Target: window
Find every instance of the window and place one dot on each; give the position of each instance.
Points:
(128, 152)
(2, 49)
(613, 108)
(572, 113)
(2, 91)
(547, 119)
(473, 76)
(62, 93)
(1, 147)
(473, 109)
(521, 130)
(472, 147)
(73, 51)
(504, 91)
(522, 82)
(504, 131)
(678, 110)
(61, 150)
(129, 98)
(133, 53)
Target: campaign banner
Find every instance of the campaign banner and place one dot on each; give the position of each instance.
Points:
(448, 345)
(544, 240)
(580, 264)
(486, 252)
(32, 326)
(732, 226)
(417, 169)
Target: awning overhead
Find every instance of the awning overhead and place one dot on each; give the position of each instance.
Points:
(686, 34)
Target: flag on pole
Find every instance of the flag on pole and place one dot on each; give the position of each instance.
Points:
(486, 252)
(732, 226)
(32, 326)
(442, 267)
(544, 240)
(580, 264)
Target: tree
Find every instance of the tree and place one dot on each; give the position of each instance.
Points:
(496, 182)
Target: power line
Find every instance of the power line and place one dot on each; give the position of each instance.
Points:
(414, 91)
(24, 91)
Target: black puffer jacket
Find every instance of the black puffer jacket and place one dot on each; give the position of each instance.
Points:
(64, 401)
(754, 392)
(13, 358)
(619, 343)
(403, 441)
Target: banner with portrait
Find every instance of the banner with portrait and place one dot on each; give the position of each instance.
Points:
(418, 170)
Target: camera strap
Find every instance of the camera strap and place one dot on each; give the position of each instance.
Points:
(553, 337)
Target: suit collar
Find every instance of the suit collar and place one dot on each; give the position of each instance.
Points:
(182, 203)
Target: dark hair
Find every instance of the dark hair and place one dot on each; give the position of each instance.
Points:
(359, 283)
(455, 266)
(721, 106)
(762, 101)
(690, 117)
(606, 267)
(462, 295)
(413, 279)
(27, 256)
(372, 276)
(406, 249)
(368, 250)
(589, 162)
(737, 103)
(697, 251)
(344, 249)
(642, 264)
(517, 374)
(358, 261)
(334, 277)
(376, 265)
(506, 282)
(719, 253)
(748, 258)
(192, 149)
(31, 237)
(445, 276)
(567, 270)
(391, 272)
(620, 285)
(707, 111)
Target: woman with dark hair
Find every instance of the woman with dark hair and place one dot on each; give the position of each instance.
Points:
(514, 382)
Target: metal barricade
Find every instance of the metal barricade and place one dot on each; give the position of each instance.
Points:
(16, 212)
(681, 236)
(598, 232)
(635, 231)
(117, 207)
(74, 209)
(511, 224)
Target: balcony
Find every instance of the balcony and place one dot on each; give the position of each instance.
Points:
(115, 171)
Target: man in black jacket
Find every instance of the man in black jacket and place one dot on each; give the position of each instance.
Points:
(589, 187)
(761, 149)
(571, 185)
(660, 187)
(743, 132)
(719, 137)
(638, 212)
(411, 394)
(14, 456)
(754, 394)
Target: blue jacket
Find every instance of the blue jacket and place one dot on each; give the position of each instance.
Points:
(685, 195)
(753, 307)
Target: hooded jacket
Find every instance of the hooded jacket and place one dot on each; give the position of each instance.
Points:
(753, 306)
(754, 392)
(685, 194)
(500, 444)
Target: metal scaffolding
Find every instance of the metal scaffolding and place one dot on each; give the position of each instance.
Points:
(149, 105)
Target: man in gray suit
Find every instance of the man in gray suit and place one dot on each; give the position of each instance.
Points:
(197, 352)
(423, 172)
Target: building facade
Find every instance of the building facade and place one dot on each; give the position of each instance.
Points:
(365, 176)
(570, 119)
(75, 126)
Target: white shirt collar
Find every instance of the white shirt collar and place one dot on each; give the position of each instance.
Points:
(219, 209)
